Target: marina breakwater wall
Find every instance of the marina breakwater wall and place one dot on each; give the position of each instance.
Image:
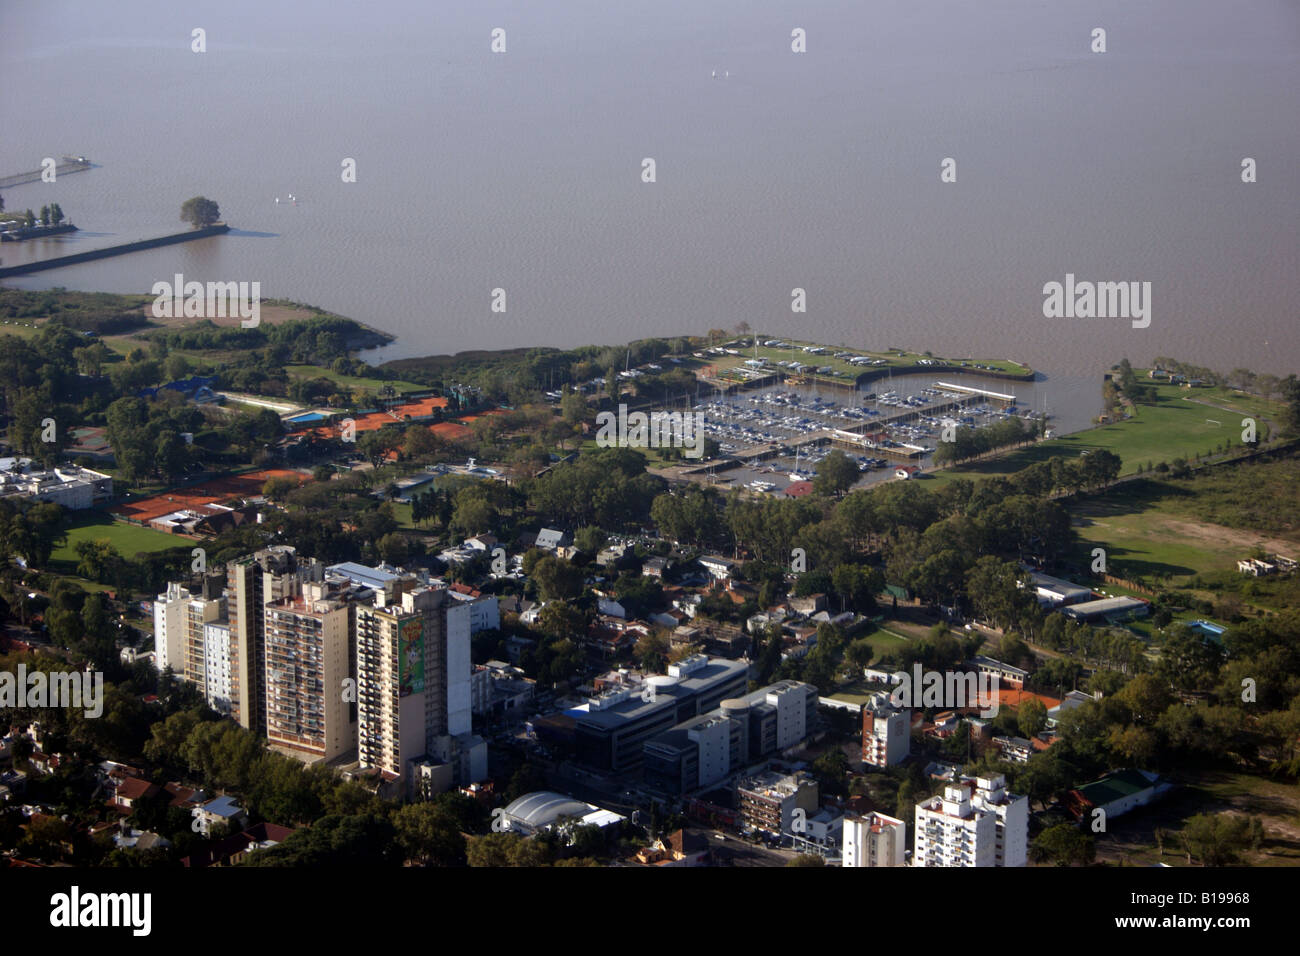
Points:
(108, 251)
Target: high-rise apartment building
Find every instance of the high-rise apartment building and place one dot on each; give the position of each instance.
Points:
(950, 831)
(187, 636)
(308, 641)
(1011, 811)
(264, 577)
(977, 822)
(413, 688)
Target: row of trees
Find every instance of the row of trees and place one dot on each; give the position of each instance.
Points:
(970, 443)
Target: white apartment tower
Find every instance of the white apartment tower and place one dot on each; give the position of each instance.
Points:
(169, 623)
(188, 631)
(886, 733)
(873, 839)
(951, 831)
(1011, 813)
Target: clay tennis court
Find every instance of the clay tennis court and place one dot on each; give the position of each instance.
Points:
(218, 490)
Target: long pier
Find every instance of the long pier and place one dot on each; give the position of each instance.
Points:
(89, 256)
(60, 169)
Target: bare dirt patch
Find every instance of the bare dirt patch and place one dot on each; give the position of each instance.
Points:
(1218, 535)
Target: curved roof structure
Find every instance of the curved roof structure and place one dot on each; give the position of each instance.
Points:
(543, 807)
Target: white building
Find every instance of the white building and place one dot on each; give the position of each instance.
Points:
(74, 488)
(873, 840)
(1011, 813)
(169, 622)
(886, 732)
(976, 822)
(951, 831)
(217, 657)
(485, 609)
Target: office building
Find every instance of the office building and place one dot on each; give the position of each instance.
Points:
(741, 731)
(611, 729)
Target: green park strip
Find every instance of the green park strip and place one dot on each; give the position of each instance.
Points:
(1173, 428)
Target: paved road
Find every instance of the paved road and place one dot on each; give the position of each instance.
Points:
(733, 851)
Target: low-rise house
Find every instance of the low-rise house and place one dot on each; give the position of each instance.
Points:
(655, 567)
(1015, 749)
(221, 810)
(1072, 700)
(679, 848)
(809, 604)
(129, 791)
(605, 604)
(719, 568)
(1116, 793)
(549, 539)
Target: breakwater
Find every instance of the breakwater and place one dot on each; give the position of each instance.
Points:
(108, 251)
(36, 232)
(34, 176)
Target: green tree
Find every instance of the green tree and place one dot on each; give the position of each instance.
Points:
(430, 834)
(836, 474)
(1218, 839)
(200, 211)
(1063, 845)
(1031, 717)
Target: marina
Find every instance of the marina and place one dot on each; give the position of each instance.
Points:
(772, 436)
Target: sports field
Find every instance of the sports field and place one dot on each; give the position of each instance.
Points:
(129, 540)
(218, 490)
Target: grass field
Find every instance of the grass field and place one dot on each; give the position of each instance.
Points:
(1157, 530)
(883, 641)
(127, 539)
(1131, 838)
(350, 381)
(1173, 428)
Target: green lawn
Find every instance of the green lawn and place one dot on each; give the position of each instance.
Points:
(1173, 428)
(1167, 531)
(129, 540)
(402, 514)
(883, 641)
(1131, 838)
(351, 381)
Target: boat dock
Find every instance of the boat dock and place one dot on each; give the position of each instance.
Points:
(983, 392)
